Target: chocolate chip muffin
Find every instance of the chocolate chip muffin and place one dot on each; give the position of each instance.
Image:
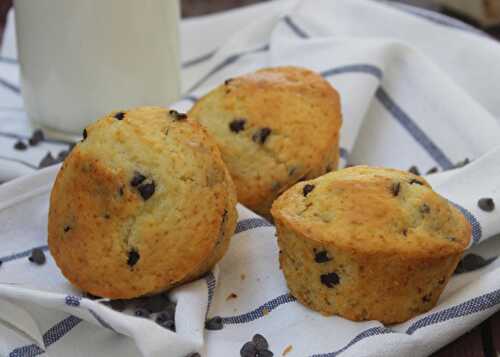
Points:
(368, 243)
(142, 204)
(274, 127)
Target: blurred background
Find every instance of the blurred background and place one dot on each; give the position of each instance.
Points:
(484, 14)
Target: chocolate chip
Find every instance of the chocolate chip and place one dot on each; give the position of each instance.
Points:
(237, 125)
(462, 163)
(321, 257)
(66, 229)
(118, 305)
(424, 209)
(264, 353)
(120, 115)
(177, 116)
(473, 262)
(248, 350)
(417, 182)
(261, 135)
(227, 81)
(137, 179)
(215, 323)
(20, 145)
(46, 161)
(121, 191)
(330, 279)
(142, 313)
(307, 189)
(427, 298)
(260, 342)
(133, 257)
(432, 170)
(84, 134)
(486, 204)
(395, 188)
(147, 190)
(37, 256)
(405, 232)
(36, 137)
(414, 170)
(107, 216)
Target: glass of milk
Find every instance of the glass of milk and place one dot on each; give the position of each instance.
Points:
(82, 59)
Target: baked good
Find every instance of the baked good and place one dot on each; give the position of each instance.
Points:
(368, 243)
(274, 127)
(142, 204)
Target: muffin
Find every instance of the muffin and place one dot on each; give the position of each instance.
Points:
(274, 127)
(142, 204)
(368, 243)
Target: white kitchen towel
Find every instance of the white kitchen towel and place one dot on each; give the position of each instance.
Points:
(417, 89)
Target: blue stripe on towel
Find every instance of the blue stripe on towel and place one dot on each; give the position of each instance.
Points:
(298, 31)
(355, 68)
(19, 161)
(251, 223)
(199, 59)
(22, 254)
(10, 86)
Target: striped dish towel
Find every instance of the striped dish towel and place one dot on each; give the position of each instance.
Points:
(417, 89)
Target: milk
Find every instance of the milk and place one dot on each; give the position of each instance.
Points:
(82, 59)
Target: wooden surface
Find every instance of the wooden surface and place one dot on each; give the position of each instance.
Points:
(482, 341)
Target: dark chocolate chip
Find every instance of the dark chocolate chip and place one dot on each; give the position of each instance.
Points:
(414, 170)
(120, 191)
(260, 342)
(227, 81)
(36, 137)
(432, 170)
(264, 353)
(321, 257)
(462, 163)
(146, 190)
(427, 298)
(473, 262)
(330, 279)
(118, 305)
(194, 354)
(424, 209)
(142, 313)
(66, 229)
(417, 182)
(84, 134)
(137, 179)
(133, 257)
(46, 161)
(120, 115)
(405, 232)
(177, 116)
(20, 145)
(307, 189)
(215, 323)
(261, 135)
(107, 216)
(395, 188)
(248, 350)
(237, 125)
(486, 204)
(37, 256)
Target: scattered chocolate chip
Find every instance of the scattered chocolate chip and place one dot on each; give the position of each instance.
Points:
(194, 354)
(462, 163)
(237, 125)
(405, 232)
(147, 190)
(395, 188)
(424, 209)
(264, 353)
(84, 134)
(414, 170)
(232, 296)
(133, 257)
(321, 257)
(261, 135)
(120, 115)
(473, 262)
(486, 204)
(417, 182)
(37, 256)
(260, 342)
(427, 298)
(307, 189)
(118, 305)
(66, 229)
(142, 313)
(137, 179)
(36, 137)
(432, 170)
(177, 116)
(227, 81)
(46, 161)
(215, 323)
(330, 279)
(107, 216)
(20, 145)
(248, 350)
(120, 191)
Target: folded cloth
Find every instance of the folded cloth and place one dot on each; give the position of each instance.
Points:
(417, 89)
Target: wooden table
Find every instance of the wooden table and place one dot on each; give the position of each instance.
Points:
(482, 341)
